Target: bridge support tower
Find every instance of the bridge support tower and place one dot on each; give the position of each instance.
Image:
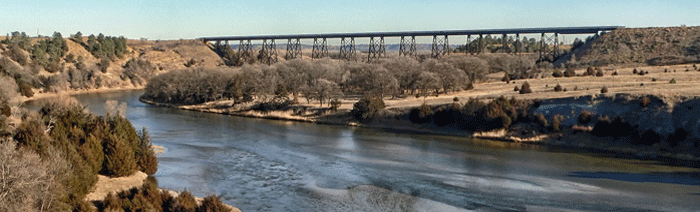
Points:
(473, 45)
(440, 46)
(347, 48)
(293, 49)
(549, 47)
(245, 50)
(376, 48)
(268, 53)
(320, 48)
(408, 46)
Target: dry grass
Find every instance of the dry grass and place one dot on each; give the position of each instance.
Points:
(688, 84)
(105, 185)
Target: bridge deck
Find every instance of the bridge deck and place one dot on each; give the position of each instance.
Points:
(559, 30)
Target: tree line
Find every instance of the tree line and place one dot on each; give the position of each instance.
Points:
(324, 80)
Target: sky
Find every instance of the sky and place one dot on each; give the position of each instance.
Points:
(178, 19)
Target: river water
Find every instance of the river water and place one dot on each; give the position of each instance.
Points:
(266, 165)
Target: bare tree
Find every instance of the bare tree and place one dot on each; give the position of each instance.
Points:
(27, 183)
(475, 68)
(405, 70)
(323, 90)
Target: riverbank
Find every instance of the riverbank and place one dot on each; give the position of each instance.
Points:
(38, 96)
(570, 137)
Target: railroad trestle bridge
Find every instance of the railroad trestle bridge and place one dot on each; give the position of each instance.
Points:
(548, 43)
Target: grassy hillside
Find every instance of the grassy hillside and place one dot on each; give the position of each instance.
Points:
(57, 64)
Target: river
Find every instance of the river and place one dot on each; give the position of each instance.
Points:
(267, 165)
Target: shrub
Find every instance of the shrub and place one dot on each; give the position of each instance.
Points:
(24, 88)
(540, 120)
(146, 158)
(584, 117)
(138, 71)
(644, 101)
(212, 203)
(444, 117)
(470, 86)
(650, 137)
(604, 89)
(557, 73)
(119, 157)
(673, 81)
(615, 128)
(455, 99)
(635, 71)
(569, 72)
(335, 104)
(516, 88)
(589, 71)
(367, 108)
(677, 136)
(556, 122)
(104, 64)
(30, 134)
(422, 114)
(112, 202)
(503, 121)
(506, 78)
(525, 88)
(558, 88)
(190, 62)
(615, 73)
(602, 126)
(599, 73)
(187, 201)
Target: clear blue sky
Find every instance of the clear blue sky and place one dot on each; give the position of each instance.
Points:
(156, 19)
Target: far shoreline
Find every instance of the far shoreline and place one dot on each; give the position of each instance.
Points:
(40, 96)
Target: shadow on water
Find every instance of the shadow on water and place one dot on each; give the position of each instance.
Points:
(681, 178)
(643, 158)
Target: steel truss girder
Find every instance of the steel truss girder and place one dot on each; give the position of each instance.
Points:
(268, 53)
(320, 48)
(347, 49)
(408, 46)
(376, 49)
(245, 50)
(293, 49)
(549, 47)
(440, 46)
